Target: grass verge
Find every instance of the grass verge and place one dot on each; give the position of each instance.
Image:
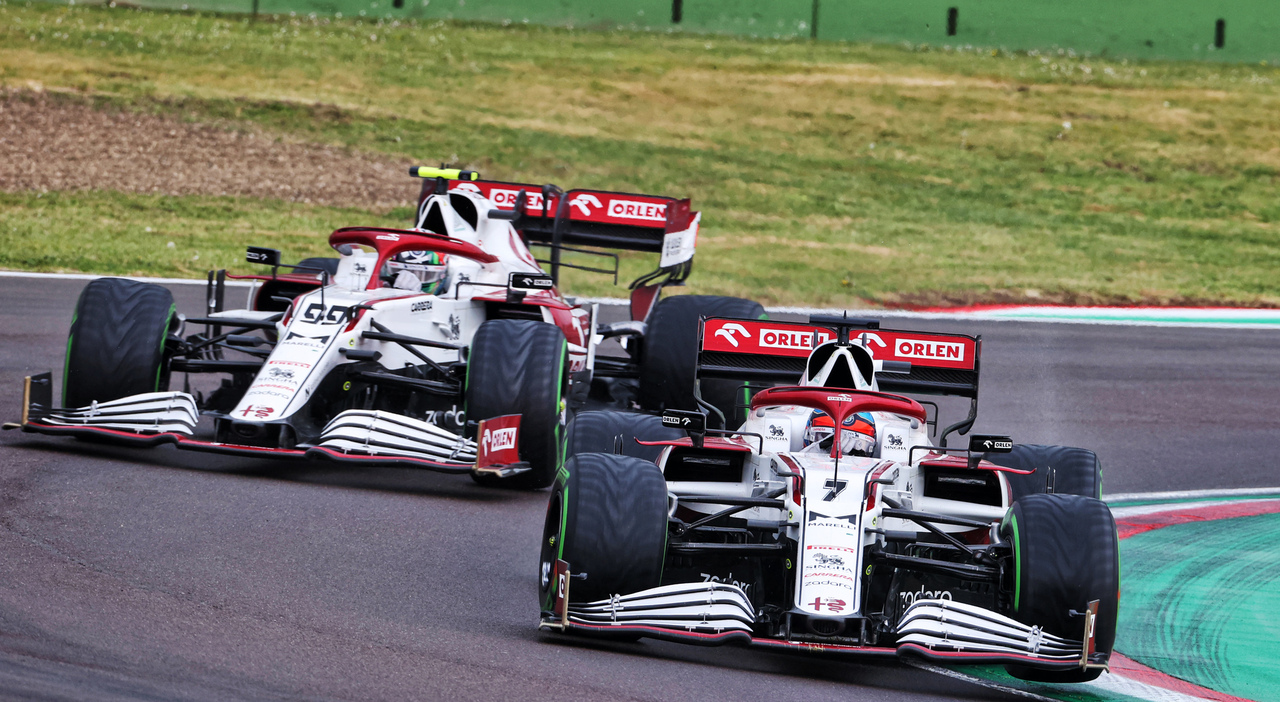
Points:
(828, 174)
(184, 237)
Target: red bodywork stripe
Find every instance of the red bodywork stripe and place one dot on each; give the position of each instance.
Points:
(711, 442)
(949, 461)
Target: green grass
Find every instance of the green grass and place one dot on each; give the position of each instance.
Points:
(829, 174)
(127, 234)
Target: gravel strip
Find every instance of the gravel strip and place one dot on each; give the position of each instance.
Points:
(49, 143)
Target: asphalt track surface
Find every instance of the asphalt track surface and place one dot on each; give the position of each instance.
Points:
(163, 574)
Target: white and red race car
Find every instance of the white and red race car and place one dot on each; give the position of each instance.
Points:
(447, 346)
(782, 534)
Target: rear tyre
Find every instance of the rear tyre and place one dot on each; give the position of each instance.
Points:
(607, 518)
(517, 366)
(670, 352)
(116, 345)
(599, 431)
(1067, 553)
(1076, 471)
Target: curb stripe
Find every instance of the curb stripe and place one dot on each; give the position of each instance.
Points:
(1142, 523)
(974, 680)
(1187, 495)
(1128, 668)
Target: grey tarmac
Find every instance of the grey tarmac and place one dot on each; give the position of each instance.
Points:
(161, 574)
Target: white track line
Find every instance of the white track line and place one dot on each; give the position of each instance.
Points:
(1183, 495)
(989, 684)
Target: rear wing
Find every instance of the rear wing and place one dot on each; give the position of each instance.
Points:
(764, 351)
(599, 218)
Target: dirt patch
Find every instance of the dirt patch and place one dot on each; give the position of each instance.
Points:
(55, 143)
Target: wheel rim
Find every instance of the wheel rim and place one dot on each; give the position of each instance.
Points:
(551, 548)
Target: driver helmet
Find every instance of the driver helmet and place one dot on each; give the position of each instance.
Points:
(419, 270)
(857, 437)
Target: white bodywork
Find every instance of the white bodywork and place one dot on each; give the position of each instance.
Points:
(322, 328)
(829, 519)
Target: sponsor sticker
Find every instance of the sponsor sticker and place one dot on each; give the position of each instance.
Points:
(507, 198)
(906, 599)
(632, 209)
(257, 411)
(499, 441)
(931, 350)
(832, 605)
(792, 338)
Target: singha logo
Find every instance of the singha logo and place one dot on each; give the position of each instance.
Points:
(776, 432)
(280, 374)
(825, 560)
(894, 440)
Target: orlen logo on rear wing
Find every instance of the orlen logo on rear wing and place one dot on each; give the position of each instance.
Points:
(632, 222)
(786, 339)
(598, 206)
(765, 338)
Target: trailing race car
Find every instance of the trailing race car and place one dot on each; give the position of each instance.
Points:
(830, 521)
(447, 347)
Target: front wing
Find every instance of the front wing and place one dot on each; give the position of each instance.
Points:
(715, 614)
(155, 419)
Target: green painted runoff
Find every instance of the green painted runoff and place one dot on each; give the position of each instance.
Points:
(1200, 602)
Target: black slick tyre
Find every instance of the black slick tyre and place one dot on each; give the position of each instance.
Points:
(518, 366)
(1066, 554)
(116, 345)
(607, 518)
(329, 265)
(1076, 471)
(670, 352)
(601, 431)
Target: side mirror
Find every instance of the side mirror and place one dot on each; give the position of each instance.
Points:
(267, 257)
(693, 423)
(989, 443)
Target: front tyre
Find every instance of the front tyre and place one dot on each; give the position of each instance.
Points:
(116, 345)
(1066, 554)
(607, 518)
(518, 366)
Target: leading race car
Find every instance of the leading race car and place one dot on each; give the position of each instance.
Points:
(829, 521)
(447, 347)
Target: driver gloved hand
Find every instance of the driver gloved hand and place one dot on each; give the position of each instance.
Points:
(406, 281)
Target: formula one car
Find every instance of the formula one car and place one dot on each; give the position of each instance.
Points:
(830, 521)
(446, 347)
